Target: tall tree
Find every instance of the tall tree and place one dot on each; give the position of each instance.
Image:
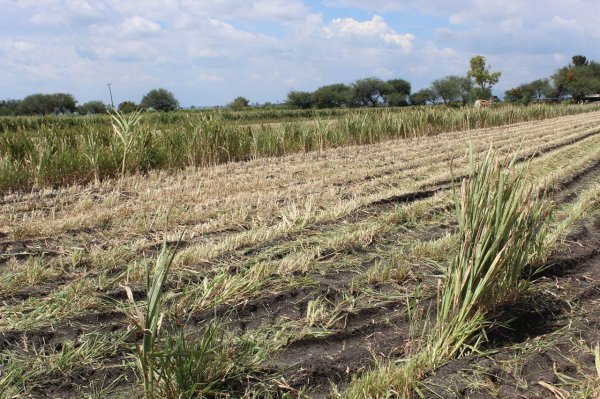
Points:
(92, 107)
(127, 107)
(239, 103)
(539, 88)
(299, 99)
(513, 95)
(423, 96)
(398, 92)
(369, 91)
(452, 88)
(482, 75)
(578, 80)
(331, 96)
(48, 104)
(526, 92)
(160, 100)
(9, 107)
(579, 60)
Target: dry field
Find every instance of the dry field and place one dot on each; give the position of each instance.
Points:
(327, 262)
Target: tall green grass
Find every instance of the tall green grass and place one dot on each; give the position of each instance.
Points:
(501, 227)
(64, 150)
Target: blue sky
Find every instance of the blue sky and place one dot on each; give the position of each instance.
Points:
(209, 52)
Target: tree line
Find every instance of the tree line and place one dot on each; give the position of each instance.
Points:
(363, 92)
(578, 79)
(372, 92)
(581, 77)
(66, 104)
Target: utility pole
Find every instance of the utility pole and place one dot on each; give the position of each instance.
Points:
(111, 99)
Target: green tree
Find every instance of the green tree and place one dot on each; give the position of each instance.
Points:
(239, 103)
(480, 94)
(423, 97)
(35, 104)
(92, 107)
(539, 88)
(452, 88)
(9, 107)
(398, 92)
(63, 102)
(369, 92)
(127, 107)
(515, 95)
(535, 90)
(578, 80)
(48, 104)
(160, 100)
(482, 76)
(331, 96)
(299, 99)
(465, 89)
(400, 86)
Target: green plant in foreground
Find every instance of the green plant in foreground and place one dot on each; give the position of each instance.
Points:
(149, 320)
(214, 365)
(172, 365)
(501, 226)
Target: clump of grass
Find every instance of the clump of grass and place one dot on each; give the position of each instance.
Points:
(148, 321)
(123, 126)
(501, 226)
(215, 365)
(174, 364)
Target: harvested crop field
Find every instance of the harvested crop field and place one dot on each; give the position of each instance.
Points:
(322, 269)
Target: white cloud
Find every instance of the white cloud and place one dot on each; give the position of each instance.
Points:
(404, 41)
(570, 23)
(346, 26)
(134, 26)
(17, 45)
(211, 51)
(128, 51)
(139, 25)
(375, 27)
(446, 52)
(207, 77)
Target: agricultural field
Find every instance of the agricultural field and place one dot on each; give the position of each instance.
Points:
(45, 151)
(312, 263)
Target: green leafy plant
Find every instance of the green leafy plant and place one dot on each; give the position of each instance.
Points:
(175, 365)
(214, 364)
(148, 319)
(65, 150)
(501, 226)
(123, 126)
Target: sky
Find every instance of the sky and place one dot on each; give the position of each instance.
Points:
(209, 52)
